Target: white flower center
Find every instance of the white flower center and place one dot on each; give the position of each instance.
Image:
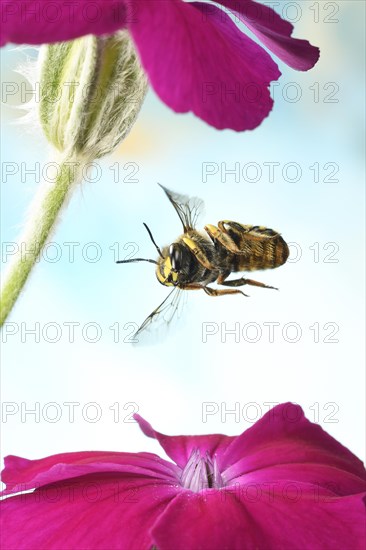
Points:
(201, 473)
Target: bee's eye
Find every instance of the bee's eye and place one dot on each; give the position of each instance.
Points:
(175, 257)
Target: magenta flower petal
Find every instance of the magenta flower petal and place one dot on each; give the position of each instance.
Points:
(21, 474)
(317, 479)
(275, 33)
(231, 521)
(35, 22)
(206, 521)
(179, 447)
(285, 436)
(210, 68)
(296, 519)
(95, 512)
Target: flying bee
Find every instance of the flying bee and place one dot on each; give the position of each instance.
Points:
(196, 259)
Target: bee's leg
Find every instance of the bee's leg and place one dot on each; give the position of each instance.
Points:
(191, 286)
(210, 291)
(223, 275)
(235, 228)
(243, 281)
(220, 235)
(199, 253)
(228, 225)
(222, 292)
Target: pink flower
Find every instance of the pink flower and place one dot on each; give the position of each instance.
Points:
(195, 56)
(283, 483)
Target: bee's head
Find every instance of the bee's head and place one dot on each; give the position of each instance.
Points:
(169, 265)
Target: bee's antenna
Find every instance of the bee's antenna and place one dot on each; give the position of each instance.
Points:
(136, 260)
(152, 238)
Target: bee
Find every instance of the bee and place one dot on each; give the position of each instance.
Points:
(197, 259)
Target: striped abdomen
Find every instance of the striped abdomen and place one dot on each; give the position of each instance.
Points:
(261, 247)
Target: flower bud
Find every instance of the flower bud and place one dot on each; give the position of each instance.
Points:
(91, 90)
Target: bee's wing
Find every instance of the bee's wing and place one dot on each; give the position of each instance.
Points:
(187, 208)
(160, 319)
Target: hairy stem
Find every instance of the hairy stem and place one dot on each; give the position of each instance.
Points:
(44, 214)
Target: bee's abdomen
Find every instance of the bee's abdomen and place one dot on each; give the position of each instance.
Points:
(260, 247)
(262, 254)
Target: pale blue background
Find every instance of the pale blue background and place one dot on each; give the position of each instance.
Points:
(170, 381)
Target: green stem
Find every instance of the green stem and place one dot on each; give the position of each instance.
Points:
(43, 217)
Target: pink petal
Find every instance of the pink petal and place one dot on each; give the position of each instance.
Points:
(201, 62)
(225, 519)
(180, 447)
(284, 436)
(21, 474)
(46, 21)
(275, 33)
(296, 520)
(205, 521)
(321, 479)
(95, 512)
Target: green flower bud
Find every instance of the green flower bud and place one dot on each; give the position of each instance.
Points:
(91, 90)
